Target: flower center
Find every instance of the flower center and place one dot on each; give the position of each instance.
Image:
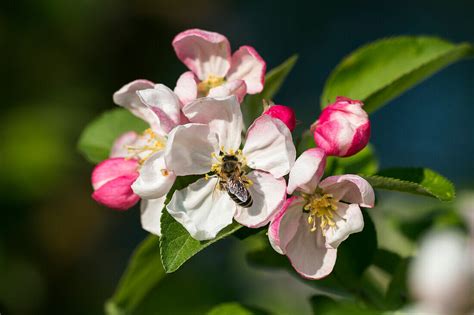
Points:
(230, 165)
(147, 144)
(321, 208)
(212, 81)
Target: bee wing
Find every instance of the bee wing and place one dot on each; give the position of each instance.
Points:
(237, 188)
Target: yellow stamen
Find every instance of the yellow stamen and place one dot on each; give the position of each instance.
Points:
(212, 81)
(322, 207)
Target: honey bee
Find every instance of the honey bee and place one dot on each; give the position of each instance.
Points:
(233, 181)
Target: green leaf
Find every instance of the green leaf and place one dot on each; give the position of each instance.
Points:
(305, 142)
(364, 162)
(177, 246)
(97, 138)
(324, 305)
(397, 292)
(420, 181)
(144, 271)
(386, 260)
(233, 308)
(253, 106)
(382, 70)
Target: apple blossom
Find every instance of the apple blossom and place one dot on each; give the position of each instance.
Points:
(205, 207)
(319, 216)
(214, 71)
(152, 179)
(284, 113)
(441, 275)
(343, 128)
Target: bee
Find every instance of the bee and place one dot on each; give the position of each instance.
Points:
(232, 181)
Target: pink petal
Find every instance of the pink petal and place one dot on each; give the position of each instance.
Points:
(308, 253)
(268, 195)
(307, 171)
(284, 113)
(349, 220)
(236, 87)
(112, 168)
(128, 98)
(186, 88)
(117, 193)
(150, 214)
(119, 148)
(285, 223)
(204, 53)
(349, 188)
(247, 65)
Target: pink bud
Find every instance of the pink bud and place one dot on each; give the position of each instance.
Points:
(343, 128)
(112, 180)
(284, 113)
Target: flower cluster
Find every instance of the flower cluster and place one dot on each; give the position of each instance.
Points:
(197, 129)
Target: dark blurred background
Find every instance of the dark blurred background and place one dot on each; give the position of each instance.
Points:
(60, 253)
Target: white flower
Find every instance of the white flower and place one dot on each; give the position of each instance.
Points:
(205, 207)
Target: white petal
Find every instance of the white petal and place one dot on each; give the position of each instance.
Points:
(268, 195)
(308, 253)
(165, 104)
(202, 209)
(236, 87)
(189, 149)
(348, 220)
(155, 179)
(349, 188)
(269, 146)
(151, 210)
(223, 115)
(285, 224)
(307, 171)
(128, 98)
(186, 88)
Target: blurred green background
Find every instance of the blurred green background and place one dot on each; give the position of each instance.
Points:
(60, 253)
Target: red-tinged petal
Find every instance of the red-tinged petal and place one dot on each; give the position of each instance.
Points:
(285, 223)
(349, 188)
(112, 168)
(308, 252)
(204, 53)
(117, 193)
(247, 65)
(119, 148)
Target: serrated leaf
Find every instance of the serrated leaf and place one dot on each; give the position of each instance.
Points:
(252, 106)
(144, 271)
(420, 181)
(97, 138)
(177, 246)
(382, 70)
(233, 308)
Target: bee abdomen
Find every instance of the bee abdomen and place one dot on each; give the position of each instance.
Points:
(244, 204)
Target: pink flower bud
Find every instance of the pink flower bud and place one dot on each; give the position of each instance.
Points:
(343, 128)
(284, 113)
(112, 180)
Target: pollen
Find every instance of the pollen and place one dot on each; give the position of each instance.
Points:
(148, 144)
(321, 209)
(165, 172)
(212, 81)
